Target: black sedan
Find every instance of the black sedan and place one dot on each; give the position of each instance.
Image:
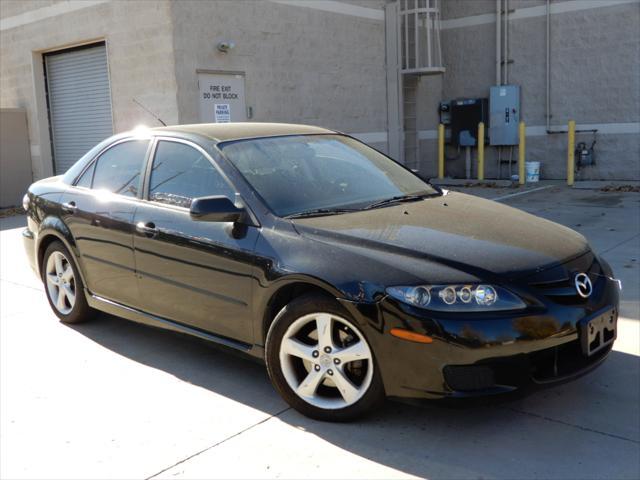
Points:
(349, 275)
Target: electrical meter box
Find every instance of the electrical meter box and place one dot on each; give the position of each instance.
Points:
(504, 104)
(444, 110)
(466, 114)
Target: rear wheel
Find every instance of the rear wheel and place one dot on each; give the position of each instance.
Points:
(320, 362)
(63, 285)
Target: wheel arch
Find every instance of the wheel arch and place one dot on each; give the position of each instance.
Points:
(286, 291)
(54, 229)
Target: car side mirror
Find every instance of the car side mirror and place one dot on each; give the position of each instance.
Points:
(215, 209)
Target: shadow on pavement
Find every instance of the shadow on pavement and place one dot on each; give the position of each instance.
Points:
(588, 429)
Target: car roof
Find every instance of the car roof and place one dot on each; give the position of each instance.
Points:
(222, 132)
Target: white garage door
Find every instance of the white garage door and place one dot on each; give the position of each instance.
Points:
(79, 102)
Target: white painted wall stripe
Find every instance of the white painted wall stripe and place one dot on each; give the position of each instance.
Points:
(530, 12)
(47, 12)
(428, 134)
(603, 128)
(632, 128)
(73, 5)
(541, 130)
(336, 7)
(471, 21)
(371, 137)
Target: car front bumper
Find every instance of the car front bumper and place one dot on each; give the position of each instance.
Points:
(483, 355)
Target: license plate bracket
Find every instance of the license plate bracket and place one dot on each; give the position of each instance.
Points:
(598, 331)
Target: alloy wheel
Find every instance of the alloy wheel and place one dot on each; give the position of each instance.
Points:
(326, 361)
(61, 283)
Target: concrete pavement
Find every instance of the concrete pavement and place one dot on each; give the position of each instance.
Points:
(112, 399)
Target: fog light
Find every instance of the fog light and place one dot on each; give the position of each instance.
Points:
(25, 202)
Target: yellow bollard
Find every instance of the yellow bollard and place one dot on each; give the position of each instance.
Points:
(441, 151)
(481, 151)
(521, 153)
(571, 145)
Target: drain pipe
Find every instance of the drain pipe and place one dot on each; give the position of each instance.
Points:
(505, 51)
(548, 45)
(498, 42)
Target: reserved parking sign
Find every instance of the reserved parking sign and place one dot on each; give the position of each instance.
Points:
(222, 113)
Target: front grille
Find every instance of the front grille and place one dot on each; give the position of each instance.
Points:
(557, 283)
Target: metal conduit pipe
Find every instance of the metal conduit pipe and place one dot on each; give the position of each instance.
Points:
(548, 80)
(506, 42)
(498, 43)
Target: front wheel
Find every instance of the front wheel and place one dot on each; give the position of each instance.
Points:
(320, 362)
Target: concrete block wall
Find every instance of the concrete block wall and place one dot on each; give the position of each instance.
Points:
(301, 64)
(139, 39)
(595, 80)
(310, 63)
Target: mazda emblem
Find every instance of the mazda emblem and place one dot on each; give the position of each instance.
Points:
(583, 285)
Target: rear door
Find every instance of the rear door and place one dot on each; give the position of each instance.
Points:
(192, 272)
(99, 211)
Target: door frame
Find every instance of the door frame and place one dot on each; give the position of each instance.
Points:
(248, 111)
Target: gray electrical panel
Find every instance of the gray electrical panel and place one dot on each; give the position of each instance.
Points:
(504, 114)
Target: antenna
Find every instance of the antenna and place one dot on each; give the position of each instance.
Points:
(149, 112)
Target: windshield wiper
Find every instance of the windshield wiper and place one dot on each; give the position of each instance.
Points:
(398, 199)
(320, 212)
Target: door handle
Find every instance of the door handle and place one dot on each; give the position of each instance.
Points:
(69, 207)
(147, 228)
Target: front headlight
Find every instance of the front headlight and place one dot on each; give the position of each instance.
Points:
(458, 298)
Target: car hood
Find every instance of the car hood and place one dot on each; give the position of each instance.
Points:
(464, 232)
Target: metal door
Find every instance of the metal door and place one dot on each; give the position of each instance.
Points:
(79, 101)
(221, 98)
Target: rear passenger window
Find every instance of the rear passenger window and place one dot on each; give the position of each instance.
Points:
(87, 177)
(119, 169)
(181, 173)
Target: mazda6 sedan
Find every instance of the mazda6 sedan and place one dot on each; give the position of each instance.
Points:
(349, 275)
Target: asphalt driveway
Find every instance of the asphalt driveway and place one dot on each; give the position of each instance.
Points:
(113, 399)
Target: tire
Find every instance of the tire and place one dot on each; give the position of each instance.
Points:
(336, 385)
(60, 274)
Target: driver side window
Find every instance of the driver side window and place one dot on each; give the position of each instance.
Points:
(181, 173)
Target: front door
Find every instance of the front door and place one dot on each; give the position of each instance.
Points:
(192, 272)
(221, 98)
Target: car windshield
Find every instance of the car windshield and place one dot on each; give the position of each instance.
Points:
(321, 173)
